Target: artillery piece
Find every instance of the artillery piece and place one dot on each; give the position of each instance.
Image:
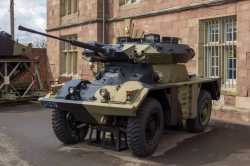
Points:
(143, 89)
(13, 65)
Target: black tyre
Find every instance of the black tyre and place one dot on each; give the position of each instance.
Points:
(66, 129)
(144, 131)
(200, 123)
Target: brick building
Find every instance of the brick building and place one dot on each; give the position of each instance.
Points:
(218, 30)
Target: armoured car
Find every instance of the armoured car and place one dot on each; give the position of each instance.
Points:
(143, 89)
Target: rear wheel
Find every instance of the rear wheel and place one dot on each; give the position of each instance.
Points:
(204, 110)
(144, 131)
(67, 129)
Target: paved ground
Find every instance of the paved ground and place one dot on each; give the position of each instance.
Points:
(26, 139)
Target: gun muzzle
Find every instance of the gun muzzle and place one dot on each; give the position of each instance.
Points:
(22, 28)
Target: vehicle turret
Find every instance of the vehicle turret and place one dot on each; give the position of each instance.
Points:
(151, 49)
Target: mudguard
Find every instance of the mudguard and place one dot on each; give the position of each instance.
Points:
(92, 111)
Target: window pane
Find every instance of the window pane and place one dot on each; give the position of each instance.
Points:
(125, 2)
(62, 7)
(230, 29)
(215, 62)
(231, 63)
(69, 7)
(75, 63)
(74, 5)
(70, 71)
(63, 63)
(213, 31)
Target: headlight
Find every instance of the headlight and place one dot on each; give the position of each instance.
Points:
(71, 90)
(131, 95)
(105, 94)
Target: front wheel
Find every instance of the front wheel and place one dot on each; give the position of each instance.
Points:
(67, 129)
(145, 130)
(204, 110)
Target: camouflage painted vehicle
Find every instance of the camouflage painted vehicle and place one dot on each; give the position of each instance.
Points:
(143, 89)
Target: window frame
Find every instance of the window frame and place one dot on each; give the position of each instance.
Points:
(220, 61)
(69, 7)
(68, 57)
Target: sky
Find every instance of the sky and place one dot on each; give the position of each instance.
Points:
(29, 13)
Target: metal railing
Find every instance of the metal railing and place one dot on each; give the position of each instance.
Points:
(218, 43)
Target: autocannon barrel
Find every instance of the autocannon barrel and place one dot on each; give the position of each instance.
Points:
(88, 46)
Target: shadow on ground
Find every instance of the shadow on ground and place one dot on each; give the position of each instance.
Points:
(223, 140)
(218, 145)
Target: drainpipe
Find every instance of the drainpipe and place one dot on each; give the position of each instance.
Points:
(103, 21)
